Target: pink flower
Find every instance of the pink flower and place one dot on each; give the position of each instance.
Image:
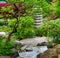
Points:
(20, 5)
(4, 4)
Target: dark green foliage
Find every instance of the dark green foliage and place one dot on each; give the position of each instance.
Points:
(2, 22)
(2, 0)
(5, 46)
(49, 1)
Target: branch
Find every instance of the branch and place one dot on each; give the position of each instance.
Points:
(17, 22)
(14, 28)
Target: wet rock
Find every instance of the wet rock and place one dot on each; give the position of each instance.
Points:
(51, 45)
(23, 48)
(14, 55)
(51, 52)
(20, 46)
(18, 43)
(29, 49)
(42, 44)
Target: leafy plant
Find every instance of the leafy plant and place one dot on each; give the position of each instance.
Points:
(56, 8)
(25, 28)
(2, 22)
(50, 29)
(11, 23)
(5, 46)
(45, 7)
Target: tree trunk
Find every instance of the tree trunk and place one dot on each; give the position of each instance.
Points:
(14, 28)
(17, 16)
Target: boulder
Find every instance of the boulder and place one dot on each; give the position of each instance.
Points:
(51, 52)
(42, 44)
(46, 44)
(2, 34)
(58, 48)
(51, 45)
(14, 55)
(59, 56)
(48, 54)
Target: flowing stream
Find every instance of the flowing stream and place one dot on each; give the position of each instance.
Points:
(34, 51)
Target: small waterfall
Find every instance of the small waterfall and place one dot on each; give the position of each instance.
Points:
(33, 53)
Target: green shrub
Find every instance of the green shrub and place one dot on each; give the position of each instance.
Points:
(25, 28)
(1, 15)
(50, 29)
(56, 7)
(25, 33)
(2, 22)
(42, 29)
(11, 22)
(5, 46)
(45, 7)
